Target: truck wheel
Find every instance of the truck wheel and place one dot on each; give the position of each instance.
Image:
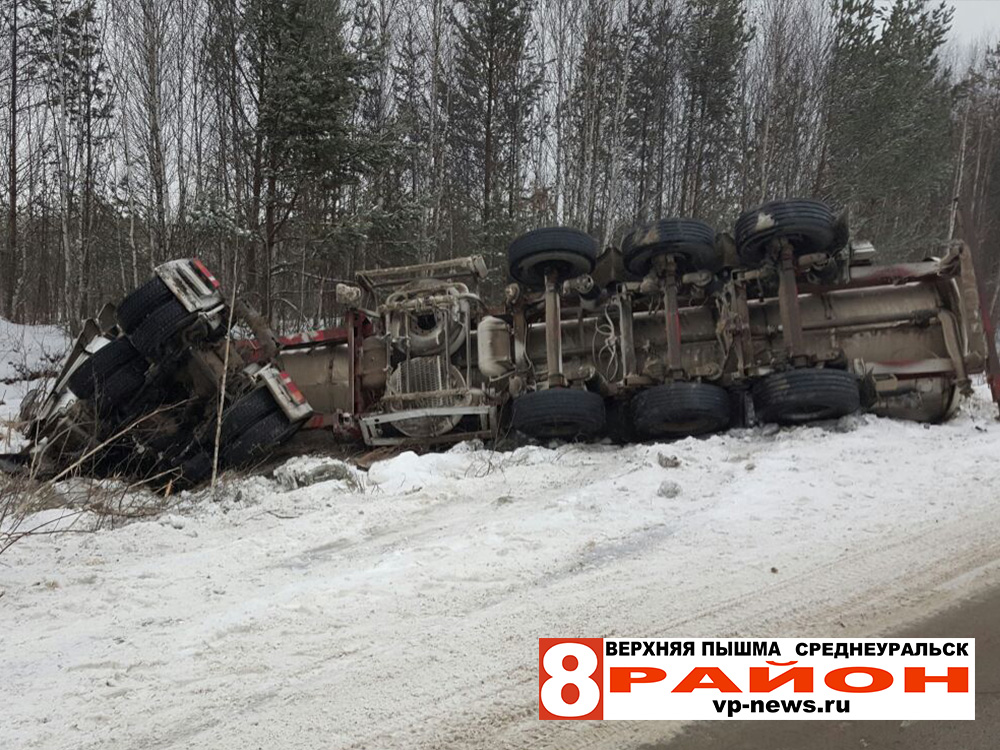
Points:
(159, 327)
(259, 439)
(100, 365)
(196, 469)
(810, 226)
(680, 409)
(691, 242)
(137, 305)
(118, 388)
(568, 252)
(804, 395)
(247, 410)
(559, 413)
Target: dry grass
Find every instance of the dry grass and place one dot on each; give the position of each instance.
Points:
(81, 505)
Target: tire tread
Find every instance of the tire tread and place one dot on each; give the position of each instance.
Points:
(681, 409)
(571, 251)
(158, 328)
(810, 225)
(799, 396)
(138, 304)
(691, 241)
(559, 412)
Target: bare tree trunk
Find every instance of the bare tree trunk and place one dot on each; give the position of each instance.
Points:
(130, 191)
(152, 41)
(436, 136)
(61, 124)
(614, 136)
(270, 232)
(488, 146)
(10, 267)
(687, 177)
(957, 190)
(85, 227)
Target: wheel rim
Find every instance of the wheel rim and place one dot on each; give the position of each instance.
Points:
(566, 265)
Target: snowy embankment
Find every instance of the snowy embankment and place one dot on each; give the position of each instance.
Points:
(27, 353)
(400, 609)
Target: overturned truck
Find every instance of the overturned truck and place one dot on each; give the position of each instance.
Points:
(680, 331)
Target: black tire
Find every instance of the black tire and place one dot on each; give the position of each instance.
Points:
(801, 396)
(99, 366)
(681, 409)
(692, 242)
(568, 252)
(809, 225)
(159, 327)
(259, 440)
(137, 305)
(196, 469)
(118, 389)
(559, 413)
(242, 415)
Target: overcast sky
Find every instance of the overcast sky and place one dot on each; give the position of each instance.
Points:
(974, 18)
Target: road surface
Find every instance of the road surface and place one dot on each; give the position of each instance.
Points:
(977, 618)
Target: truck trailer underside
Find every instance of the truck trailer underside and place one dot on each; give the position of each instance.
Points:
(680, 332)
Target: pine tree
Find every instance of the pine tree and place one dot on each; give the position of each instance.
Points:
(715, 43)
(650, 110)
(590, 112)
(305, 99)
(415, 150)
(496, 86)
(889, 122)
(385, 217)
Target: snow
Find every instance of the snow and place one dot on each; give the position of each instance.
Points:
(326, 608)
(24, 350)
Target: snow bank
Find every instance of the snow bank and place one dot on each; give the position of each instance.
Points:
(409, 472)
(404, 612)
(24, 351)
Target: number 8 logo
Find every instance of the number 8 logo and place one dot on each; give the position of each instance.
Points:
(571, 678)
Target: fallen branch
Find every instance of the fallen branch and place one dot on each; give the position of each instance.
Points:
(28, 375)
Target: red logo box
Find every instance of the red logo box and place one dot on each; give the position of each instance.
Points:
(570, 678)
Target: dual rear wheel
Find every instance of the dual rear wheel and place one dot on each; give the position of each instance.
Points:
(253, 426)
(152, 317)
(682, 409)
(567, 252)
(799, 396)
(665, 411)
(110, 377)
(562, 251)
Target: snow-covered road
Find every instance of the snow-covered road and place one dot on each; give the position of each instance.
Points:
(405, 613)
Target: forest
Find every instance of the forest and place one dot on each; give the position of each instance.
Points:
(289, 143)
